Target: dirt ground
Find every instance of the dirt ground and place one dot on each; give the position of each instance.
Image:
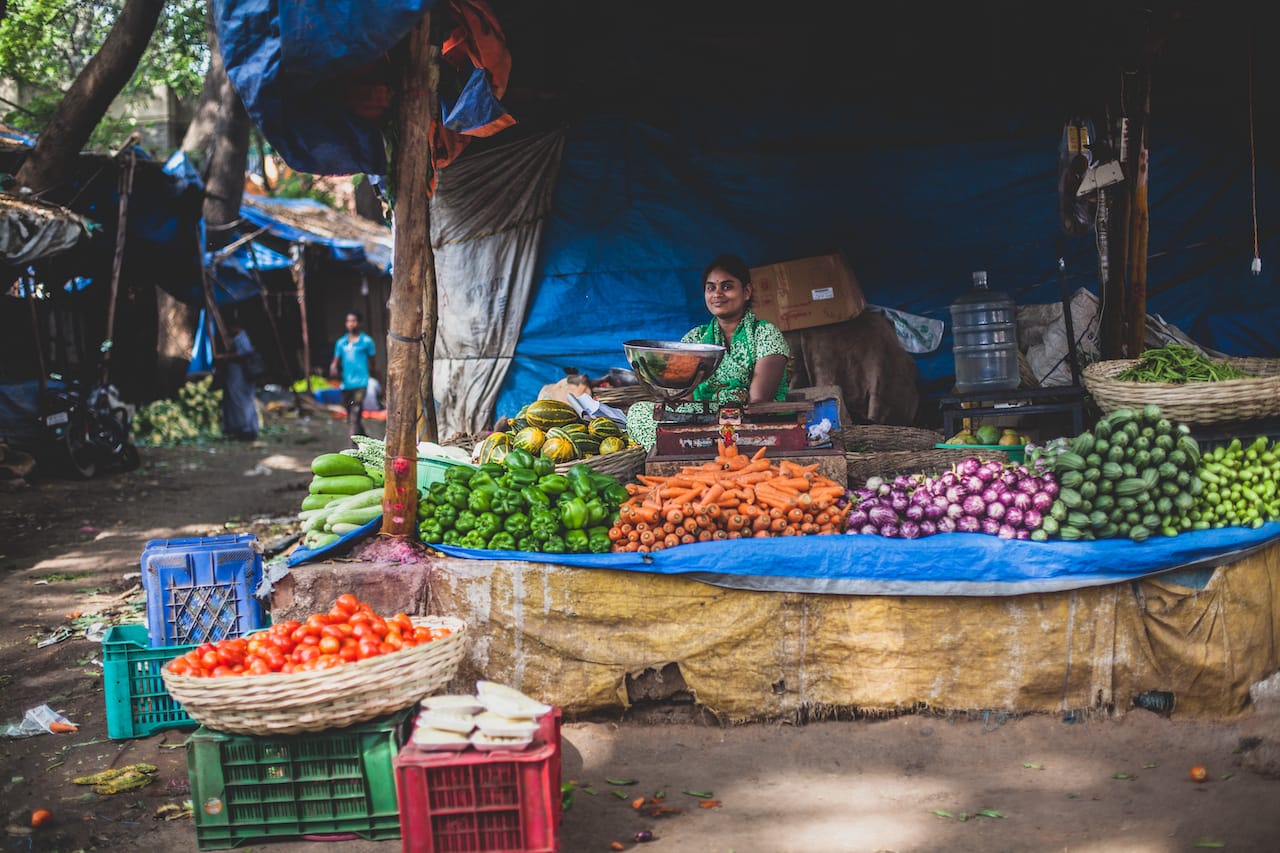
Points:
(914, 783)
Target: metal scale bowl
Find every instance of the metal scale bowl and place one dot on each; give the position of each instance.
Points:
(670, 370)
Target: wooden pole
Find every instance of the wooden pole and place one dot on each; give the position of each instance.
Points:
(299, 271)
(413, 269)
(29, 289)
(125, 188)
(1139, 228)
(430, 312)
(1113, 289)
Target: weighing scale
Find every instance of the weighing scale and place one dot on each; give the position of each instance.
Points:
(671, 370)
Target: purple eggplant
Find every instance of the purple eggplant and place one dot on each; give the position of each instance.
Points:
(949, 479)
(1021, 500)
(990, 526)
(863, 494)
(995, 510)
(1013, 517)
(889, 531)
(881, 515)
(991, 494)
(898, 501)
(955, 494)
(857, 518)
(903, 482)
(973, 485)
(954, 511)
(909, 530)
(946, 524)
(1022, 533)
(968, 467)
(1006, 531)
(928, 528)
(1008, 497)
(1041, 501)
(974, 505)
(968, 524)
(1032, 519)
(915, 512)
(1049, 486)
(1010, 479)
(870, 530)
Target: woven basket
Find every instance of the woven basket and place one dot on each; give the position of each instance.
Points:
(280, 703)
(891, 463)
(1191, 402)
(865, 438)
(623, 464)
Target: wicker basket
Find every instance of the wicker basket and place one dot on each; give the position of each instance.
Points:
(623, 464)
(864, 438)
(890, 463)
(279, 703)
(1191, 402)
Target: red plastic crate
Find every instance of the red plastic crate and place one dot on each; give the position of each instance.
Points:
(482, 802)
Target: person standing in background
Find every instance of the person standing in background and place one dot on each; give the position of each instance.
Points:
(239, 411)
(353, 362)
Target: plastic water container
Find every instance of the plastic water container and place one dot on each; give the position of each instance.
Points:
(985, 340)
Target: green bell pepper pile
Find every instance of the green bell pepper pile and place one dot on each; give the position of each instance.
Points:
(521, 504)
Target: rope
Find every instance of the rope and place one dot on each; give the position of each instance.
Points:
(1253, 172)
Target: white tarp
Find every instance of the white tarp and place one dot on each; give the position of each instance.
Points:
(33, 230)
(486, 228)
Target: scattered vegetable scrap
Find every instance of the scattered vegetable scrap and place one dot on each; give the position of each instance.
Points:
(709, 804)
(1199, 774)
(617, 845)
(1125, 777)
(622, 795)
(621, 782)
(642, 836)
(120, 779)
(41, 817)
(1030, 766)
(638, 803)
(706, 795)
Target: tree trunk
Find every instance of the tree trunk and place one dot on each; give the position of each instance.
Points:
(205, 119)
(87, 100)
(224, 181)
(412, 270)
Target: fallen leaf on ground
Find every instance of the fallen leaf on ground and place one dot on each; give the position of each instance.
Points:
(1127, 777)
(990, 813)
(942, 813)
(1030, 766)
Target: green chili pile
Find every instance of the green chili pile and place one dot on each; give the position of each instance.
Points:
(1178, 363)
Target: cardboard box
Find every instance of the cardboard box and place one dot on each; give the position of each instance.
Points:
(807, 292)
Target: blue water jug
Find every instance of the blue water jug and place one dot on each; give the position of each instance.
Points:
(984, 340)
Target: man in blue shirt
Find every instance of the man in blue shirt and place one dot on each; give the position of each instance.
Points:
(353, 356)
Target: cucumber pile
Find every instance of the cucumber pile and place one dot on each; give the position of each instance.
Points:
(342, 498)
(1134, 475)
(1241, 485)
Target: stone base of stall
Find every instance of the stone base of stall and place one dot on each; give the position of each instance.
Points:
(572, 636)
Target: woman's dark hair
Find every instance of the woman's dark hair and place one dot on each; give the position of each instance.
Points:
(359, 317)
(732, 264)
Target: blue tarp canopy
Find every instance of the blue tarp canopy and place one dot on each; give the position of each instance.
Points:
(946, 564)
(290, 59)
(235, 275)
(274, 213)
(916, 206)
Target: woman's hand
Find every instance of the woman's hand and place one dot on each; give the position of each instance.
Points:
(766, 377)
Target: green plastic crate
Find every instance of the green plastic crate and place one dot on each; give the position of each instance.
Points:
(338, 782)
(1017, 452)
(431, 470)
(138, 704)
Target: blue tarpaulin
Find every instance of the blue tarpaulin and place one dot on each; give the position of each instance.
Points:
(341, 250)
(947, 564)
(916, 204)
(290, 59)
(233, 275)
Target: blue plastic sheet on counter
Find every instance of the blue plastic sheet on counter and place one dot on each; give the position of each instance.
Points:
(946, 564)
(303, 555)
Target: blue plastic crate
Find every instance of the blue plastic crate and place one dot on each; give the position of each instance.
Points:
(201, 590)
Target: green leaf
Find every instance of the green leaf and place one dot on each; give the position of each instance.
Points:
(1030, 766)
(1128, 777)
(1225, 776)
(1213, 844)
(942, 813)
(962, 817)
(706, 795)
(621, 781)
(622, 795)
(991, 813)
(1149, 766)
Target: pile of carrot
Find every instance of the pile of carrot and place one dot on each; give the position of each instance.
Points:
(731, 497)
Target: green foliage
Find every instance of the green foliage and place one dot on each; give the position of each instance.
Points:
(302, 185)
(45, 44)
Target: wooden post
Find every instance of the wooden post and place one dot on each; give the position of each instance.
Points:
(299, 271)
(1139, 228)
(430, 313)
(413, 268)
(124, 186)
(1113, 289)
(29, 290)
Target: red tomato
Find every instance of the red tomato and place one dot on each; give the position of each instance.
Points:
(311, 640)
(349, 653)
(368, 649)
(210, 659)
(220, 671)
(331, 631)
(386, 649)
(309, 653)
(276, 659)
(288, 668)
(360, 617)
(379, 626)
(361, 630)
(316, 621)
(346, 628)
(180, 667)
(297, 634)
(347, 602)
(259, 667)
(329, 645)
(394, 641)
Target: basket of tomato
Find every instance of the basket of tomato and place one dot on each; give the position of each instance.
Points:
(334, 669)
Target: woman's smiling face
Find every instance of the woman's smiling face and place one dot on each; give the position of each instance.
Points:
(725, 295)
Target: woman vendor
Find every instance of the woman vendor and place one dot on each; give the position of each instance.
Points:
(754, 366)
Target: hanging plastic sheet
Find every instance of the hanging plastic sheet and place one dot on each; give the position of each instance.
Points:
(31, 230)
